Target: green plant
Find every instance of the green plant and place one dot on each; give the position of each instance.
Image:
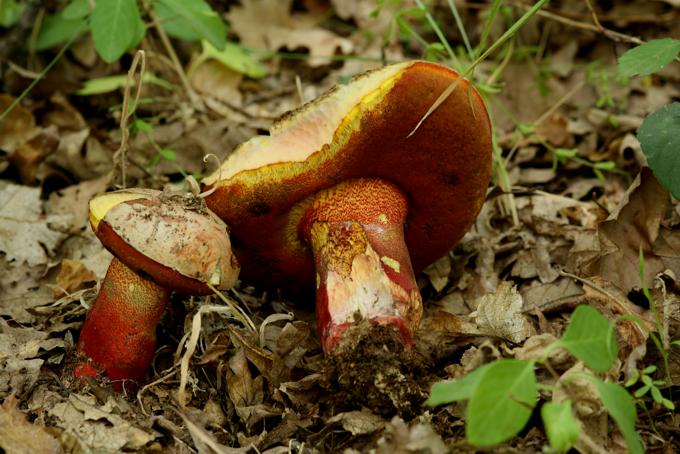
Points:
(658, 134)
(503, 394)
(649, 386)
(141, 126)
(117, 26)
(10, 12)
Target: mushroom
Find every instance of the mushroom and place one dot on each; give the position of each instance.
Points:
(161, 243)
(342, 197)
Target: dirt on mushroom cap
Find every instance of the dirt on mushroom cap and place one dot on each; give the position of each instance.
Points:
(172, 238)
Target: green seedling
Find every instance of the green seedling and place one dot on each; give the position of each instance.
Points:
(501, 395)
(649, 386)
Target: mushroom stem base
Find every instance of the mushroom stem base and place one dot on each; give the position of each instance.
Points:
(119, 335)
(363, 269)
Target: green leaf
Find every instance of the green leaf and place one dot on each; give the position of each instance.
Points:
(77, 9)
(660, 142)
(590, 337)
(649, 57)
(139, 125)
(167, 153)
(115, 26)
(138, 34)
(668, 404)
(561, 426)
(448, 391)
(634, 377)
(56, 30)
(191, 20)
(234, 57)
(641, 391)
(621, 408)
(10, 12)
(111, 83)
(502, 402)
(649, 369)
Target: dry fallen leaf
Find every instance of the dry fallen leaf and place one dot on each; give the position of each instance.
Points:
(28, 156)
(21, 290)
(358, 422)
(73, 275)
(635, 225)
(268, 25)
(212, 78)
(18, 436)
(438, 273)
(26, 234)
(96, 427)
(19, 356)
(246, 392)
(399, 438)
(500, 314)
(17, 127)
(550, 296)
(73, 201)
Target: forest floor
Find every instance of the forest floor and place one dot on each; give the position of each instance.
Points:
(567, 231)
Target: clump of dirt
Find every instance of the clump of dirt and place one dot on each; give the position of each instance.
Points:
(371, 368)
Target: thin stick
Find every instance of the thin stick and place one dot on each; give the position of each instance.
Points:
(193, 97)
(119, 157)
(611, 34)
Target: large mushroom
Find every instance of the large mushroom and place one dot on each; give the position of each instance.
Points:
(346, 197)
(161, 243)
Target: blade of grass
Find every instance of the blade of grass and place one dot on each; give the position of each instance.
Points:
(487, 25)
(435, 26)
(507, 35)
(461, 28)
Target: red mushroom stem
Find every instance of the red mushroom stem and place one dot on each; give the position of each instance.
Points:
(363, 268)
(119, 335)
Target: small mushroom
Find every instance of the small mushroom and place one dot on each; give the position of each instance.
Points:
(161, 243)
(345, 197)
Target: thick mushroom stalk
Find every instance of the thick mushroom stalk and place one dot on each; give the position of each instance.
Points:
(363, 268)
(161, 243)
(119, 335)
(357, 190)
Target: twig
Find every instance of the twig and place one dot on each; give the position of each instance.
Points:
(559, 103)
(590, 284)
(611, 34)
(119, 154)
(193, 97)
(153, 383)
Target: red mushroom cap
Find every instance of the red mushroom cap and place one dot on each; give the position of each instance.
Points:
(173, 239)
(360, 130)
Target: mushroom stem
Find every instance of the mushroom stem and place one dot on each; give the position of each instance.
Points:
(119, 335)
(363, 269)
